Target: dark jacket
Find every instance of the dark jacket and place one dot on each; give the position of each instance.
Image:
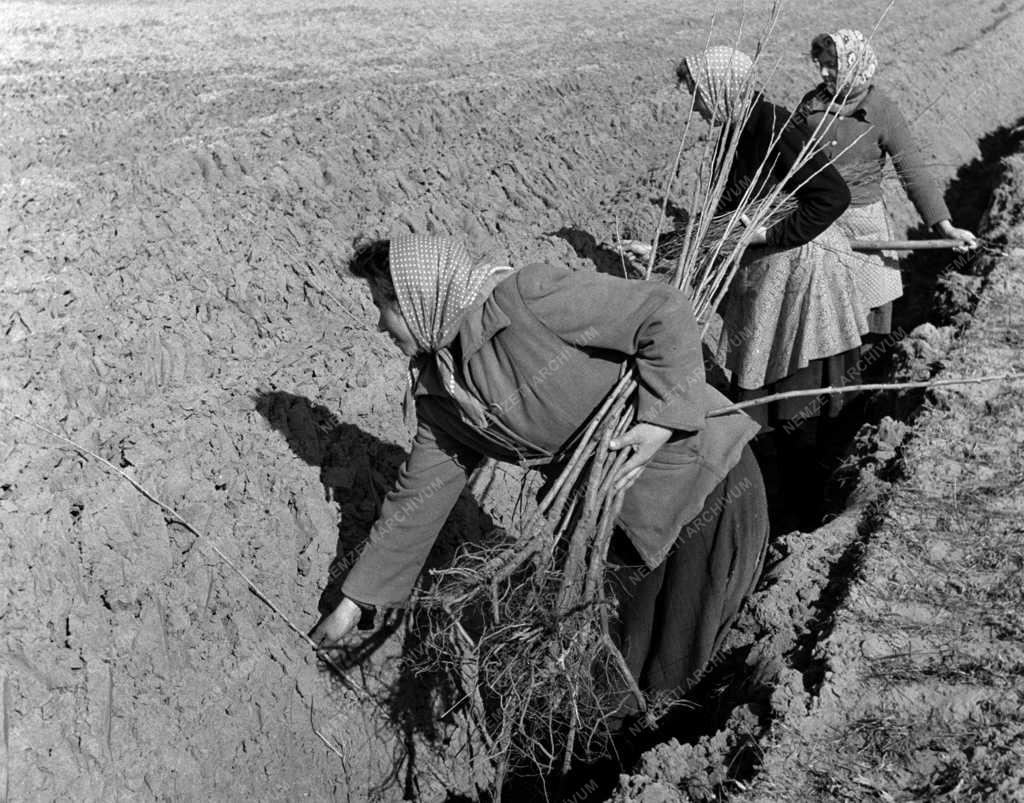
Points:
(821, 199)
(882, 131)
(542, 352)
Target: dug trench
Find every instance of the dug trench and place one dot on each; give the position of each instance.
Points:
(173, 298)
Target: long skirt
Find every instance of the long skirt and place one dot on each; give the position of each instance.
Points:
(787, 308)
(877, 274)
(836, 371)
(878, 282)
(672, 619)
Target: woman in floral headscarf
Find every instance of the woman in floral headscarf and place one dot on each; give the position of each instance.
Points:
(511, 365)
(793, 318)
(861, 126)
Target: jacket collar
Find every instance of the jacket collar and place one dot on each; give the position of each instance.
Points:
(481, 323)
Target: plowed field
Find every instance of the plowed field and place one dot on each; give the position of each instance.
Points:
(180, 184)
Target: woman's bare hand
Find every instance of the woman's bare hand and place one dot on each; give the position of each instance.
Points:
(645, 440)
(966, 237)
(759, 236)
(637, 248)
(336, 625)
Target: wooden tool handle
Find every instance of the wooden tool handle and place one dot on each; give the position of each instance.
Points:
(902, 245)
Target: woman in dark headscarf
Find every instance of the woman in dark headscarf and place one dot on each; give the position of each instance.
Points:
(793, 316)
(861, 126)
(511, 364)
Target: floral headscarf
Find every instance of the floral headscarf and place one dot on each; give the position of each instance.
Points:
(436, 282)
(855, 62)
(721, 76)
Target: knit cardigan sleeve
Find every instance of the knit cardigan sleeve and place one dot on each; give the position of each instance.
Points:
(412, 514)
(896, 139)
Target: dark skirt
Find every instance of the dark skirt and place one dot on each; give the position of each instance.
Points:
(839, 370)
(672, 619)
(880, 320)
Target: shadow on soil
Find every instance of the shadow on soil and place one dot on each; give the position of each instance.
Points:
(932, 290)
(356, 470)
(600, 255)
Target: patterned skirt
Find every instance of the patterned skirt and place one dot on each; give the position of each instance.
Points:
(877, 274)
(787, 308)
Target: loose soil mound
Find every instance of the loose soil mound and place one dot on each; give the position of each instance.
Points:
(177, 194)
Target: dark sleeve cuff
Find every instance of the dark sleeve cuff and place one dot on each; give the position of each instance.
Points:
(935, 214)
(367, 614)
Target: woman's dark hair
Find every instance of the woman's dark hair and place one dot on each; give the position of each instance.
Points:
(683, 75)
(372, 262)
(823, 50)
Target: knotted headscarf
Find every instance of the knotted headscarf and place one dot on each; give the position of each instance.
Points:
(855, 61)
(856, 64)
(436, 283)
(721, 75)
(855, 67)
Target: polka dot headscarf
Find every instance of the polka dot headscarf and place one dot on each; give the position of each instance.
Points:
(721, 75)
(436, 282)
(855, 60)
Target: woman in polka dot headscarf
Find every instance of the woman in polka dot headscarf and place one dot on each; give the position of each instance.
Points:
(719, 79)
(511, 365)
(792, 318)
(435, 282)
(861, 127)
